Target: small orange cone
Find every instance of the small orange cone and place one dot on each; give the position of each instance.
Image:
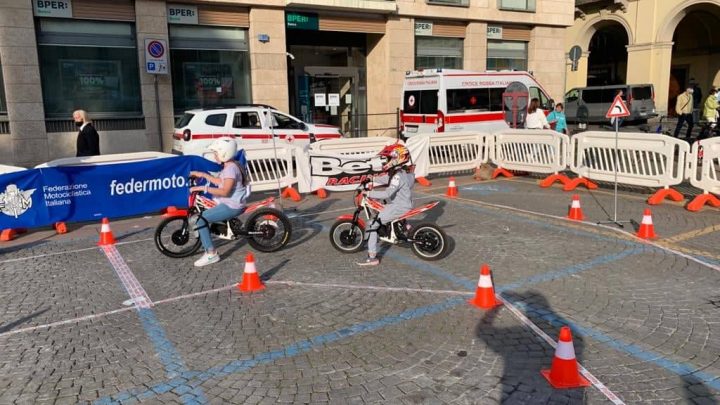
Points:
(106, 236)
(452, 190)
(485, 292)
(250, 280)
(60, 228)
(575, 212)
(291, 193)
(564, 370)
(647, 229)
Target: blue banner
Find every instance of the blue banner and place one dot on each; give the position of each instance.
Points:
(40, 197)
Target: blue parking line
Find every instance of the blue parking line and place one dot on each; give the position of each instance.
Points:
(191, 380)
(679, 368)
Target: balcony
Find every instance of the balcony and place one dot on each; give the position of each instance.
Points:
(369, 6)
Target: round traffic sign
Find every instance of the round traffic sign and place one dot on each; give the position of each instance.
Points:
(156, 49)
(575, 53)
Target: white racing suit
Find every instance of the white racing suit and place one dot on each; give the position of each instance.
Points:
(399, 192)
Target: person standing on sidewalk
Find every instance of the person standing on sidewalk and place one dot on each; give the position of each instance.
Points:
(88, 140)
(684, 109)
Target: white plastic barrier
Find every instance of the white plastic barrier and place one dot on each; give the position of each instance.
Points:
(268, 166)
(105, 159)
(10, 169)
(457, 151)
(648, 160)
(530, 150)
(705, 174)
(352, 146)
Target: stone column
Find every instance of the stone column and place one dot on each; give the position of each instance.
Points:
(545, 59)
(389, 57)
(268, 61)
(650, 63)
(27, 144)
(475, 47)
(151, 22)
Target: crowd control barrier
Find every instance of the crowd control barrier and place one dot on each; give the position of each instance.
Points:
(528, 150)
(452, 152)
(270, 167)
(10, 169)
(105, 159)
(704, 173)
(648, 160)
(352, 146)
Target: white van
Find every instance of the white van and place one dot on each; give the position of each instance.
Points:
(449, 100)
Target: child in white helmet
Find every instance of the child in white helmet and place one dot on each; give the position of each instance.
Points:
(229, 190)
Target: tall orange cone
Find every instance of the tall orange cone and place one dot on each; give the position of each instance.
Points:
(575, 212)
(250, 280)
(452, 190)
(564, 370)
(647, 229)
(106, 236)
(485, 292)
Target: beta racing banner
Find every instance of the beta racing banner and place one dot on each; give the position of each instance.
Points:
(41, 197)
(335, 172)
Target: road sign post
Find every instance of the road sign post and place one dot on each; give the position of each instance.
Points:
(156, 63)
(617, 110)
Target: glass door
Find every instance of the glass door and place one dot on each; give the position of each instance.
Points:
(330, 97)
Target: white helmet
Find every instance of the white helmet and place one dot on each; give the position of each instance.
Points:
(225, 147)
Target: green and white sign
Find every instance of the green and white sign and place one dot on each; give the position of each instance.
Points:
(302, 21)
(423, 28)
(52, 8)
(182, 14)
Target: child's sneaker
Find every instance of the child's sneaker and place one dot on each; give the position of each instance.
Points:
(370, 261)
(207, 258)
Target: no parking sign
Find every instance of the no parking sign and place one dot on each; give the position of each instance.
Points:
(156, 56)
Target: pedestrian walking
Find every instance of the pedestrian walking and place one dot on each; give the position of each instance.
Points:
(557, 117)
(88, 140)
(536, 116)
(684, 109)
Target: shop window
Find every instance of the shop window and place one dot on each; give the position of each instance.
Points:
(507, 55)
(89, 65)
(435, 53)
(210, 67)
(517, 5)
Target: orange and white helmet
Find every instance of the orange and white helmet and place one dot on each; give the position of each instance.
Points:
(397, 155)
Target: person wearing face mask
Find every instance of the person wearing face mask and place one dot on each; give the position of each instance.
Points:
(684, 109)
(88, 140)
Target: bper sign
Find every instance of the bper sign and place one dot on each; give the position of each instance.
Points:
(52, 8)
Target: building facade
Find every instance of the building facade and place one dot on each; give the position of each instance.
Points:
(339, 62)
(667, 43)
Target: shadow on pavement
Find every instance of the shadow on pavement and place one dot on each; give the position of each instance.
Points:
(524, 354)
(12, 325)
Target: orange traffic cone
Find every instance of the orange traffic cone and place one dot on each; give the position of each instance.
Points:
(485, 292)
(452, 190)
(575, 211)
(250, 280)
(106, 236)
(291, 193)
(564, 370)
(647, 229)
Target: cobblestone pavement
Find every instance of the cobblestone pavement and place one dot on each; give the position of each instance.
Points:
(644, 315)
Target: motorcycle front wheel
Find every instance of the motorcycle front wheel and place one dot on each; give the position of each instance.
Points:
(429, 242)
(346, 236)
(175, 238)
(268, 230)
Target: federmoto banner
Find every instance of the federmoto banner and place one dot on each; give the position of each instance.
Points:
(40, 197)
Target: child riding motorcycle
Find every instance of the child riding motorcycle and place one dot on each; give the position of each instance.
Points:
(399, 193)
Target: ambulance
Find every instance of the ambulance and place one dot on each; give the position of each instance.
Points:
(450, 100)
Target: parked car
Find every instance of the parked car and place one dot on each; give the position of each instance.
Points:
(640, 99)
(250, 124)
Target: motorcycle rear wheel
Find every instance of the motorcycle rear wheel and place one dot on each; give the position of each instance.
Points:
(176, 232)
(269, 230)
(429, 242)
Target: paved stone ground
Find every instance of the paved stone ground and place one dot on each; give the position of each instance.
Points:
(645, 319)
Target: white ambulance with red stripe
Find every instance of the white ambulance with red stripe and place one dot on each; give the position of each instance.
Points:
(249, 124)
(450, 100)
